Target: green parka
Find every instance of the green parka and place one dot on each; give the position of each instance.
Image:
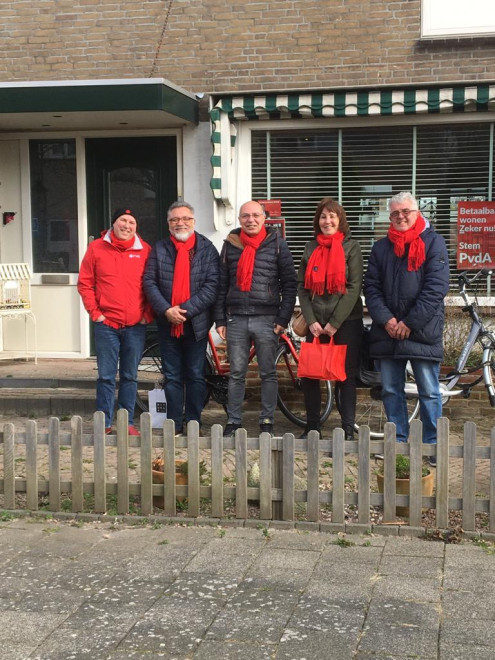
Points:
(333, 308)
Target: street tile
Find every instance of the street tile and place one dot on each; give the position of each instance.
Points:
(401, 627)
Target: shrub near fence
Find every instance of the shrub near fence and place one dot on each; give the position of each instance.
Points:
(276, 493)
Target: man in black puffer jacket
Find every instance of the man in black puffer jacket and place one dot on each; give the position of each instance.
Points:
(405, 285)
(181, 284)
(255, 303)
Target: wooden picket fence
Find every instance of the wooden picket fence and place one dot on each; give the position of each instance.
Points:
(276, 495)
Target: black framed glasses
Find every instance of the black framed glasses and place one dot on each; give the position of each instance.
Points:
(186, 219)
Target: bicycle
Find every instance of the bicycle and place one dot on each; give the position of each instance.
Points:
(290, 398)
(480, 340)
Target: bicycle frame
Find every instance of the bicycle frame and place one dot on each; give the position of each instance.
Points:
(284, 337)
(223, 368)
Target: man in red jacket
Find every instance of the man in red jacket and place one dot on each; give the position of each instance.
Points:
(110, 285)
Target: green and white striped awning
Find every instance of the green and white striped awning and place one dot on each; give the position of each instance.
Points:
(387, 102)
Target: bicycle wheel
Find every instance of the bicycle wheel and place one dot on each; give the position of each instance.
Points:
(290, 396)
(489, 379)
(149, 372)
(371, 412)
(216, 384)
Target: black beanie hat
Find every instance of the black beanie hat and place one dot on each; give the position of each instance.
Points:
(123, 211)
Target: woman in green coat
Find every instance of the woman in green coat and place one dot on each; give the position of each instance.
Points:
(329, 289)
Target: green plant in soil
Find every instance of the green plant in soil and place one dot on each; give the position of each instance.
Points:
(403, 467)
(181, 505)
(344, 543)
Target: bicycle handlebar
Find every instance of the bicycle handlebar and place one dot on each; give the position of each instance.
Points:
(464, 278)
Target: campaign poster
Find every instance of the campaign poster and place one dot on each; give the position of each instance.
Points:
(278, 224)
(475, 235)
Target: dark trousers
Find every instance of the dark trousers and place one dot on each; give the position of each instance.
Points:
(183, 362)
(350, 333)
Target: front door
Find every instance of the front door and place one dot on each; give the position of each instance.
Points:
(135, 173)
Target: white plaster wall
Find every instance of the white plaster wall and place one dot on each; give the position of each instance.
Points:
(10, 200)
(196, 175)
(197, 172)
(56, 309)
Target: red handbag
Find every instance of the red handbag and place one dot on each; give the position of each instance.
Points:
(322, 361)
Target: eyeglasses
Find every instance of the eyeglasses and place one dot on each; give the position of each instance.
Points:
(256, 216)
(186, 219)
(405, 212)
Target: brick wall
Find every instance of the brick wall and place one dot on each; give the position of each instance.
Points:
(242, 45)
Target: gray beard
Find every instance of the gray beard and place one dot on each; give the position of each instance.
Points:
(183, 236)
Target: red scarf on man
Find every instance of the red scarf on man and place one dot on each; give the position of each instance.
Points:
(326, 266)
(181, 286)
(412, 238)
(120, 244)
(245, 265)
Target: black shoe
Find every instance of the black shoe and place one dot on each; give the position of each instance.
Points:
(230, 429)
(266, 427)
(349, 433)
(432, 460)
(304, 434)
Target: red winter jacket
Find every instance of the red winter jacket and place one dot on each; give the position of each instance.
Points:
(110, 282)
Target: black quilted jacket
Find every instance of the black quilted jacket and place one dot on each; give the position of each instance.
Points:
(273, 289)
(158, 279)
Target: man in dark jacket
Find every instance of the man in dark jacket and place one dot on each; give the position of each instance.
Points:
(255, 303)
(181, 284)
(405, 285)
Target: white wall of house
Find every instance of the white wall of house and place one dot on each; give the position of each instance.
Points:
(196, 176)
(10, 200)
(62, 323)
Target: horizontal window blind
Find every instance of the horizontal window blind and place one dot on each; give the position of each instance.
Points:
(364, 167)
(299, 168)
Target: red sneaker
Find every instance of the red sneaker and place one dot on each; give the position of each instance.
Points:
(132, 430)
(108, 430)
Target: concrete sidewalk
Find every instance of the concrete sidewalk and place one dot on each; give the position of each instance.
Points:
(101, 590)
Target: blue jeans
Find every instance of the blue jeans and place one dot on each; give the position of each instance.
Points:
(120, 348)
(426, 374)
(241, 331)
(183, 364)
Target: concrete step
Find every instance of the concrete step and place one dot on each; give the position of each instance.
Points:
(39, 382)
(41, 401)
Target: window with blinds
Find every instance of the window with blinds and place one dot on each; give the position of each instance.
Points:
(364, 167)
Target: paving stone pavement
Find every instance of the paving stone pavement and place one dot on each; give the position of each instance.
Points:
(107, 590)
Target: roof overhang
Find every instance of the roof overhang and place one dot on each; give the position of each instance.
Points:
(95, 104)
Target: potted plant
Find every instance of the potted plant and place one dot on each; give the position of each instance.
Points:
(402, 481)
(181, 471)
(157, 471)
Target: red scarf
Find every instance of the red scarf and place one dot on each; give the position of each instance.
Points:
(412, 238)
(246, 262)
(326, 266)
(120, 244)
(181, 286)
